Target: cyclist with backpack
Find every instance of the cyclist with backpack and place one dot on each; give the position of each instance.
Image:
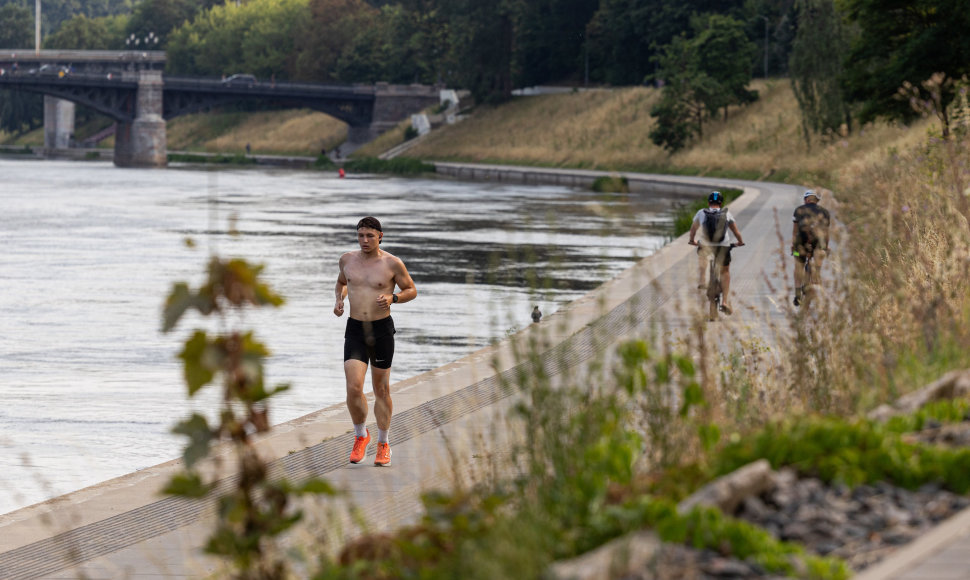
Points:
(714, 223)
(809, 239)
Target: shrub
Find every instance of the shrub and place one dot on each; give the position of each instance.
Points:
(398, 166)
(611, 184)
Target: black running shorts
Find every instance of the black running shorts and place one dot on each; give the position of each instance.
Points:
(371, 341)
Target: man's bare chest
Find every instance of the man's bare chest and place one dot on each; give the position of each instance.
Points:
(368, 276)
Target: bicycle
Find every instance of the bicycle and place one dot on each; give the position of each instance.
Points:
(813, 278)
(715, 293)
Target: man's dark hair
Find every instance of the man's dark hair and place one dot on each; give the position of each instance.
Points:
(370, 222)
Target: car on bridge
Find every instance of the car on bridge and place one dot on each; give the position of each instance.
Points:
(50, 70)
(240, 80)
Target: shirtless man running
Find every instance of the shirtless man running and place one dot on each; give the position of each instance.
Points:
(368, 277)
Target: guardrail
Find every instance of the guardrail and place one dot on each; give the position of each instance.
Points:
(30, 55)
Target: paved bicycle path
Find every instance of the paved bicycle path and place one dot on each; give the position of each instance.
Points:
(449, 423)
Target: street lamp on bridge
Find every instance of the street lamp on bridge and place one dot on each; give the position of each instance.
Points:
(133, 42)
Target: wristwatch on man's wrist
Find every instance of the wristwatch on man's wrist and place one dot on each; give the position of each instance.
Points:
(394, 299)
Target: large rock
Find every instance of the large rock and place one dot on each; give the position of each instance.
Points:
(952, 385)
(618, 558)
(729, 491)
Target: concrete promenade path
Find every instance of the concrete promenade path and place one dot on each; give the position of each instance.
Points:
(450, 424)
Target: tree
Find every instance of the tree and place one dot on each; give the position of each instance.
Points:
(903, 41)
(725, 55)
(551, 41)
(333, 27)
(83, 33)
(816, 67)
(19, 111)
(681, 110)
(260, 37)
(700, 76)
(627, 35)
(16, 26)
(482, 42)
(55, 13)
(159, 18)
(404, 43)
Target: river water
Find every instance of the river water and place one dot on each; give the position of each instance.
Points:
(90, 387)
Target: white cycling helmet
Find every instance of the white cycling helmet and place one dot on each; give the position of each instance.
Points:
(811, 193)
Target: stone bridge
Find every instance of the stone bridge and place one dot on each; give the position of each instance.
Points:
(130, 88)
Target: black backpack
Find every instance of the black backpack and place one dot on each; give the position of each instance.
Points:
(715, 225)
(813, 223)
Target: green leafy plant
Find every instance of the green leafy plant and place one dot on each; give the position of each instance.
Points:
(707, 528)
(253, 509)
(852, 452)
(398, 165)
(611, 184)
(221, 159)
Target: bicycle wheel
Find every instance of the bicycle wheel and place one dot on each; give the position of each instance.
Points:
(714, 293)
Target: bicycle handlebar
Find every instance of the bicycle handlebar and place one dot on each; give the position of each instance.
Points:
(690, 243)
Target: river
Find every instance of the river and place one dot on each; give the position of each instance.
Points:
(90, 387)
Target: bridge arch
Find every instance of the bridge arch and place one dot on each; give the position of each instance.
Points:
(129, 87)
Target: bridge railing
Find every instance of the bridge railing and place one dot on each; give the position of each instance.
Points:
(30, 55)
(287, 86)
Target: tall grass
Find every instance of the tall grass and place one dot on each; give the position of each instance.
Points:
(898, 307)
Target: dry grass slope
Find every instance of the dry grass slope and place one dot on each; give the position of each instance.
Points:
(293, 132)
(609, 129)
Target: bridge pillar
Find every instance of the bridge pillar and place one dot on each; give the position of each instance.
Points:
(392, 103)
(58, 123)
(142, 143)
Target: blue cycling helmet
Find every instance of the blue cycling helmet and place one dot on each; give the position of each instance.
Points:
(715, 197)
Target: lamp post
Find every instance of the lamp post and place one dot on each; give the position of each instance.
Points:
(766, 46)
(36, 26)
(150, 41)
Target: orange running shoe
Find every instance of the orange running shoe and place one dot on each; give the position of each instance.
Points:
(383, 455)
(360, 448)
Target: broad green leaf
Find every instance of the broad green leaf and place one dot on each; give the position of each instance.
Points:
(179, 300)
(196, 428)
(197, 370)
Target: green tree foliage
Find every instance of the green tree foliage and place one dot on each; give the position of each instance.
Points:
(334, 26)
(19, 111)
(16, 26)
(816, 67)
(903, 41)
(701, 76)
(83, 33)
(482, 41)
(259, 37)
(626, 35)
(551, 40)
(725, 55)
(54, 13)
(160, 18)
(401, 44)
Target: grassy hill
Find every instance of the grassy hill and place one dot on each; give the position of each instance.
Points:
(610, 130)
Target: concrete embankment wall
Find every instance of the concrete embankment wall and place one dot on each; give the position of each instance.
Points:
(566, 177)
